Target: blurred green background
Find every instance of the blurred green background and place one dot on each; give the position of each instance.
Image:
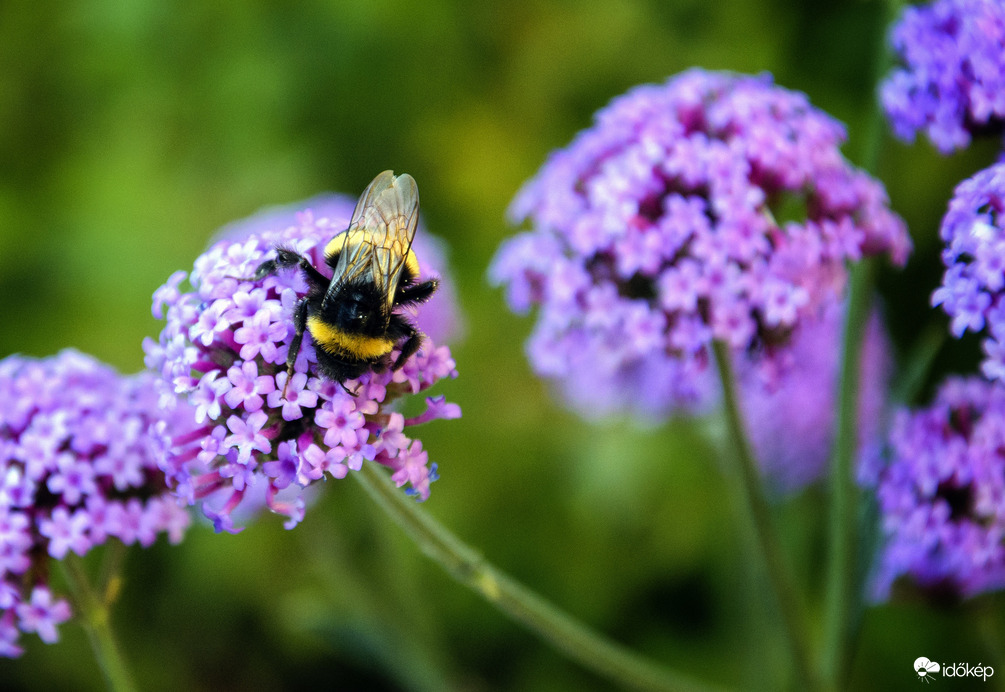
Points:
(130, 131)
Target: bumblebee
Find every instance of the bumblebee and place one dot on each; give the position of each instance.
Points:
(352, 317)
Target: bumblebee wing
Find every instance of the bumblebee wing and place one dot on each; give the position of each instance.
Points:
(380, 234)
(352, 247)
(392, 221)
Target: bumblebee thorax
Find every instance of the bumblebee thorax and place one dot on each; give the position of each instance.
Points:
(357, 309)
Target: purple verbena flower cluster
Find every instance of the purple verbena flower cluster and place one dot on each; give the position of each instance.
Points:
(715, 206)
(952, 83)
(225, 347)
(941, 493)
(79, 451)
(973, 287)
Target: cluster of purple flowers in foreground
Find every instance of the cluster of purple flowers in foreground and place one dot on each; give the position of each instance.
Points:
(225, 346)
(942, 492)
(79, 450)
(973, 287)
(952, 84)
(715, 206)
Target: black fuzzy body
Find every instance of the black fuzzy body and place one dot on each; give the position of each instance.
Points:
(352, 328)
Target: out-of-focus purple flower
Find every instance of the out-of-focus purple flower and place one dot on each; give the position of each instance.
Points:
(952, 82)
(790, 413)
(715, 206)
(79, 451)
(41, 614)
(973, 287)
(254, 445)
(941, 493)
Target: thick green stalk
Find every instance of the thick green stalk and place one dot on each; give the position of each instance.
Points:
(93, 613)
(793, 616)
(467, 566)
(843, 605)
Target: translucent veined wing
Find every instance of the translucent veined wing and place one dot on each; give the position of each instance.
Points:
(379, 236)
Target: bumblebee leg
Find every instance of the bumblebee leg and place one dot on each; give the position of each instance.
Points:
(266, 268)
(347, 390)
(410, 346)
(269, 267)
(416, 293)
(299, 325)
(286, 259)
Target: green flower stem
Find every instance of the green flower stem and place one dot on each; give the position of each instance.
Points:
(793, 616)
(843, 604)
(110, 579)
(918, 363)
(989, 629)
(467, 566)
(93, 613)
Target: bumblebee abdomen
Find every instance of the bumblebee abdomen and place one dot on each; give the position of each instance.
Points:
(343, 242)
(342, 343)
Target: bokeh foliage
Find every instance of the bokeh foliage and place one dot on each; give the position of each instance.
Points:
(130, 131)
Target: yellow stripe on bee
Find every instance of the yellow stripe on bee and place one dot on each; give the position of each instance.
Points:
(412, 262)
(343, 243)
(334, 340)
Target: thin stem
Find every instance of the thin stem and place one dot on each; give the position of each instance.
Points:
(793, 617)
(917, 364)
(844, 605)
(110, 579)
(93, 613)
(467, 566)
(989, 628)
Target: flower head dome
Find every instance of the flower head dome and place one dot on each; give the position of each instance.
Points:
(714, 206)
(225, 346)
(79, 453)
